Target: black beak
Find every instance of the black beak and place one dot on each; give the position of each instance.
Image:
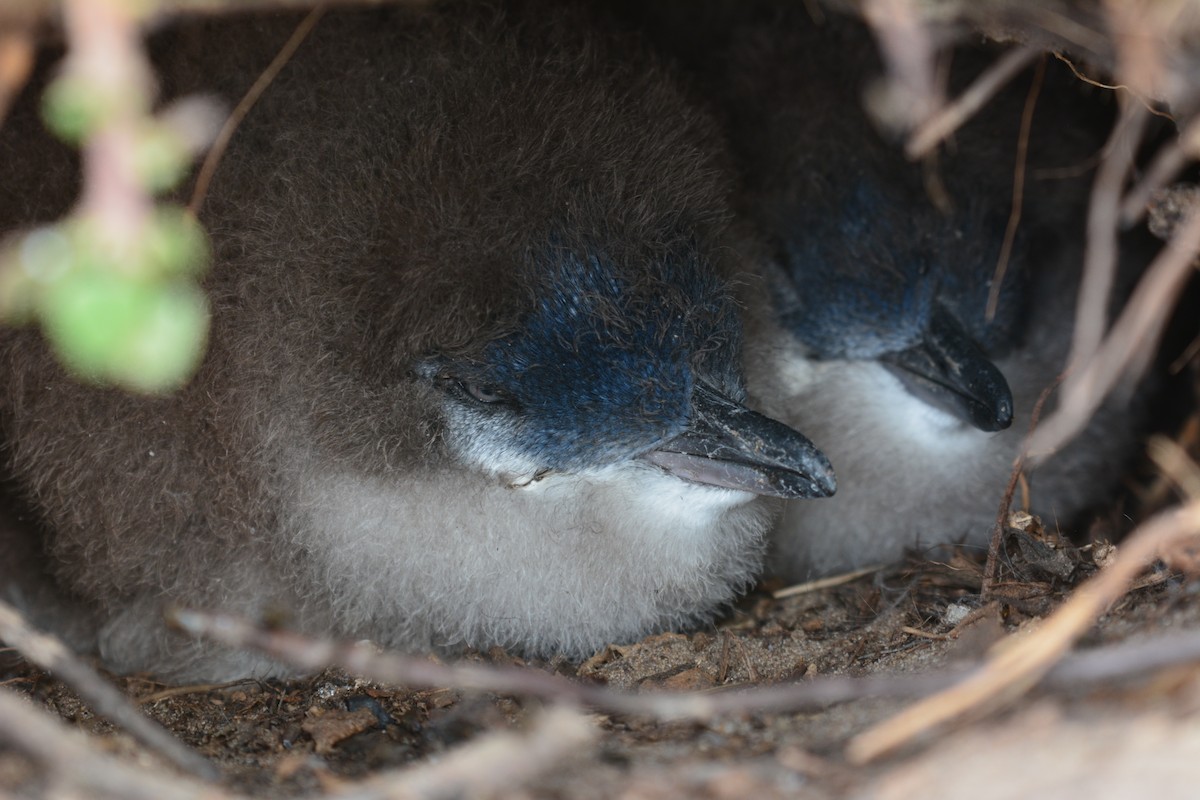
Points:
(730, 446)
(949, 371)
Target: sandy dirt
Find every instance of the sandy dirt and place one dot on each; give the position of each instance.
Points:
(1097, 740)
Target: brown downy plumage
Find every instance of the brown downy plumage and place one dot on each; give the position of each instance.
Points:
(470, 293)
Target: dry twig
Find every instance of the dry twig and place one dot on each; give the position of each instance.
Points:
(312, 654)
(955, 114)
(1018, 192)
(72, 760)
(393, 668)
(1112, 87)
(1140, 323)
(105, 46)
(1019, 666)
(494, 762)
(51, 655)
(912, 95)
(16, 62)
(1170, 159)
(824, 583)
(1139, 30)
(991, 567)
(497, 761)
(1100, 256)
(213, 159)
(1138, 33)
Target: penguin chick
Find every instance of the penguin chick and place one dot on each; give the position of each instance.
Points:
(881, 346)
(473, 376)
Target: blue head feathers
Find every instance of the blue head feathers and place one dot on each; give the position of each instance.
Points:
(876, 261)
(602, 365)
(614, 362)
(871, 269)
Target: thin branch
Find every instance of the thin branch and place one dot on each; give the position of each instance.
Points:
(53, 656)
(907, 49)
(991, 567)
(1100, 256)
(1140, 31)
(1176, 465)
(1170, 159)
(1140, 323)
(73, 759)
(16, 62)
(1018, 193)
(105, 49)
(1022, 664)
(312, 654)
(954, 115)
(215, 153)
(825, 583)
(1125, 660)
(198, 688)
(1112, 87)
(415, 671)
(493, 762)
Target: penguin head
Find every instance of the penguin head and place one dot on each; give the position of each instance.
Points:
(876, 272)
(613, 360)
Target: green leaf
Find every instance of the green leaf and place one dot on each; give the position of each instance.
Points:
(73, 108)
(145, 335)
(161, 157)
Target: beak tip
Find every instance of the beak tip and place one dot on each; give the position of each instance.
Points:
(823, 481)
(997, 418)
(731, 446)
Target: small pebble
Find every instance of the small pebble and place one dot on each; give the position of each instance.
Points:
(955, 613)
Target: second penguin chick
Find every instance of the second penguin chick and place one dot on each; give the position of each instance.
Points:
(882, 346)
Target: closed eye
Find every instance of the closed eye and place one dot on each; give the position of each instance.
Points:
(486, 393)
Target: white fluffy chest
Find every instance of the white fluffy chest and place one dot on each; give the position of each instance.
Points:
(455, 556)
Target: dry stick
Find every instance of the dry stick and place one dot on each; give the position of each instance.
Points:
(213, 159)
(1100, 255)
(1176, 465)
(953, 116)
(1170, 159)
(825, 583)
(501, 760)
(1113, 87)
(414, 671)
(196, 688)
(1139, 33)
(1095, 371)
(1021, 665)
(991, 567)
(1125, 660)
(1018, 193)
(53, 656)
(16, 62)
(72, 759)
(104, 45)
(311, 655)
(1139, 324)
(905, 45)
(1038, 19)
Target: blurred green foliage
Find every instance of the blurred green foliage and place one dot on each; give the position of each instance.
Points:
(127, 314)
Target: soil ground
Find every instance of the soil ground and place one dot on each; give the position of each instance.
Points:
(1098, 740)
